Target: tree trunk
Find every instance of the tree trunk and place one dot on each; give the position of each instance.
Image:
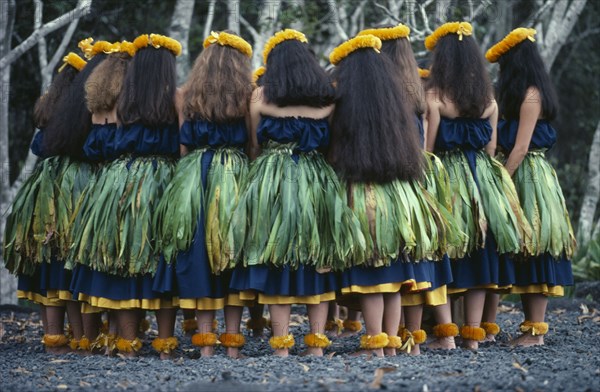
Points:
(592, 193)
(210, 15)
(8, 282)
(233, 16)
(564, 17)
(180, 30)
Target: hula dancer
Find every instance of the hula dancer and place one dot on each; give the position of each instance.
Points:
(36, 232)
(197, 206)
(462, 116)
(396, 45)
(376, 152)
(115, 244)
(291, 227)
(528, 103)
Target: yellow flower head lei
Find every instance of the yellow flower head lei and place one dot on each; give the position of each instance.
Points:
(279, 37)
(74, 61)
(514, 38)
(424, 73)
(128, 47)
(232, 40)
(157, 41)
(162, 41)
(90, 50)
(459, 28)
(359, 42)
(388, 33)
(260, 71)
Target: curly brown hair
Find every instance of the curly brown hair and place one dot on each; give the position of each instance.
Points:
(103, 87)
(219, 85)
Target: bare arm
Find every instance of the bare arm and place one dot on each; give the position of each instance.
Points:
(531, 108)
(179, 104)
(490, 148)
(255, 105)
(433, 120)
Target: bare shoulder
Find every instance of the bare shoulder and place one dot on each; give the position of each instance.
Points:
(490, 109)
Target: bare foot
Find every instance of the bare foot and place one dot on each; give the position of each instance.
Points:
(347, 334)
(389, 352)
(317, 352)
(233, 352)
(527, 340)
(378, 352)
(489, 338)
(416, 350)
(446, 343)
(58, 350)
(470, 344)
(283, 352)
(165, 356)
(207, 351)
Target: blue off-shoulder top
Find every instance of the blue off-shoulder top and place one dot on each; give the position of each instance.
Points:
(307, 134)
(37, 144)
(469, 135)
(201, 133)
(107, 142)
(544, 135)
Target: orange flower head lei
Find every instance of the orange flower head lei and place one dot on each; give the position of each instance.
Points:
(356, 43)
(459, 28)
(388, 33)
(231, 40)
(74, 61)
(281, 36)
(514, 38)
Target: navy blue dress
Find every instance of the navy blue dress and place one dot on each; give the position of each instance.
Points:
(479, 191)
(94, 282)
(190, 276)
(290, 179)
(549, 268)
(50, 281)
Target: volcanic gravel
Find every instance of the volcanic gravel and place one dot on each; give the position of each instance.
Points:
(570, 361)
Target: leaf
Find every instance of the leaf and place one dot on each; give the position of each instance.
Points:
(379, 373)
(62, 386)
(304, 367)
(518, 366)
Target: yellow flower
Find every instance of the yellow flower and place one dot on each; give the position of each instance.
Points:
(85, 45)
(162, 41)
(459, 28)
(141, 41)
(103, 47)
(128, 47)
(388, 33)
(358, 42)
(424, 73)
(283, 35)
(260, 71)
(74, 61)
(232, 40)
(515, 37)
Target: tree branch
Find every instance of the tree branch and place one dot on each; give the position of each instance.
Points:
(209, 18)
(83, 8)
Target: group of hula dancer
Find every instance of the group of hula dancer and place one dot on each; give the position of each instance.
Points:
(377, 186)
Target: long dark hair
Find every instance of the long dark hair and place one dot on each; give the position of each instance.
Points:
(374, 135)
(295, 78)
(400, 52)
(148, 95)
(520, 68)
(67, 131)
(46, 105)
(459, 75)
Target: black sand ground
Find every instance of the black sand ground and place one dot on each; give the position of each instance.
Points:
(569, 361)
